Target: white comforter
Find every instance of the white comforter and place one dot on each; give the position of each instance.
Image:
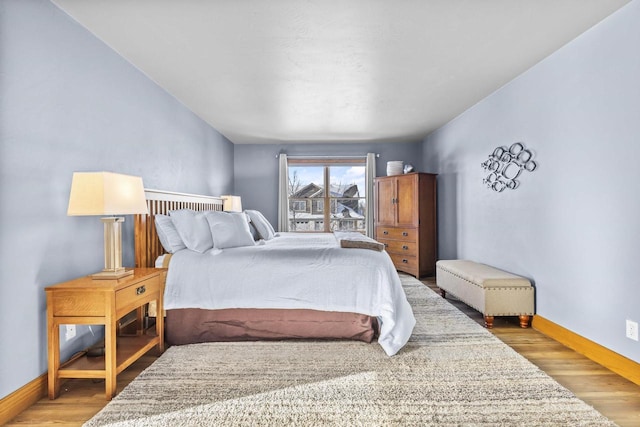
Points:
(295, 270)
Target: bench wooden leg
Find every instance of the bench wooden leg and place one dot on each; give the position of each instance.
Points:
(524, 321)
(443, 293)
(488, 321)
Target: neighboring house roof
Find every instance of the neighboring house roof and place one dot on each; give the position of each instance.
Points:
(315, 190)
(309, 190)
(343, 212)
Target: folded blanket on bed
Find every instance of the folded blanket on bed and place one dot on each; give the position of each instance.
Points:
(353, 239)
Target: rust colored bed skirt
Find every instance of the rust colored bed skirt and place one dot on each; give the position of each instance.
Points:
(193, 325)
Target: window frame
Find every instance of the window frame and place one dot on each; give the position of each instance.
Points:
(326, 200)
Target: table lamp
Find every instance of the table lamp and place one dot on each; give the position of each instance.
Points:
(109, 194)
(231, 203)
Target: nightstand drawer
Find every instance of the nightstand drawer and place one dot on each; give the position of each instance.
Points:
(133, 296)
(405, 234)
(400, 247)
(75, 303)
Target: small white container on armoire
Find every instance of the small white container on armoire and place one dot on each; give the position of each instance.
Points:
(394, 167)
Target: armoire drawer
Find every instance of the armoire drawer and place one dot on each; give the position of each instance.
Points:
(404, 262)
(400, 247)
(405, 234)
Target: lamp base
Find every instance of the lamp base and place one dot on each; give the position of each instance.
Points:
(113, 269)
(112, 275)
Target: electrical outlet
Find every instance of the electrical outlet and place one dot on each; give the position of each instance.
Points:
(632, 330)
(71, 332)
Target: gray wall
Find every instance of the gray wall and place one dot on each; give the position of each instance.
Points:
(69, 103)
(256, 167)
(573, 225)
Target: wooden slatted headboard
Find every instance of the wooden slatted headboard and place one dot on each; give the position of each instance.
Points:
(147, 244)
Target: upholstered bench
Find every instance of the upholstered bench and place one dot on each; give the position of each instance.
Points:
(491, 291)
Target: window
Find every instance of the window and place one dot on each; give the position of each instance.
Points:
(336, 191)
(298, 205)
(318, 206)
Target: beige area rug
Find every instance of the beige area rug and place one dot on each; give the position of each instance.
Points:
(452, 372)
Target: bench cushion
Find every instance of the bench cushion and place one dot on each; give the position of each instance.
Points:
(482, 275)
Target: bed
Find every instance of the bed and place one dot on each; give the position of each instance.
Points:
(292, 286)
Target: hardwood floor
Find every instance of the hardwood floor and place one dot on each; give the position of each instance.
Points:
(80, 399)
(612, 395)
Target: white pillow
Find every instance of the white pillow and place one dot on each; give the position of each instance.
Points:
(168, 234)
(229, 229)
(271, 229)
(254, 232)
(261, 224)
(193, 228)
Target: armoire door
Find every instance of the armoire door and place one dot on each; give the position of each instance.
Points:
(407, 201)
(385, 202)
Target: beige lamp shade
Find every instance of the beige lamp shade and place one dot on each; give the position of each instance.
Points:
(232, 204)
(106, 193)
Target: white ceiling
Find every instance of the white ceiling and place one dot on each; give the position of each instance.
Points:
(334, 70)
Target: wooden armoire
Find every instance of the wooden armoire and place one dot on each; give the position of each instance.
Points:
(405, 221)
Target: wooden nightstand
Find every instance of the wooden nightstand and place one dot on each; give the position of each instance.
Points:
(102, 302)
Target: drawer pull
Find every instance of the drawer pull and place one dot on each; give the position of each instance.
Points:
(386, 245)
(385, 232)
(405, 247)
(404, 233)
(405, 261)
(141, 290)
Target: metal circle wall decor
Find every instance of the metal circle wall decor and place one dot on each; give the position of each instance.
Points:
(504, 165)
